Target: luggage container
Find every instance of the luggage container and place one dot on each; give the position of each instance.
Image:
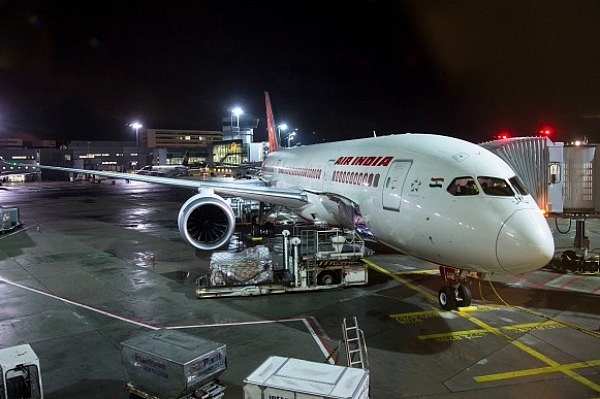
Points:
(171, 364)
(9, 219)
(282, 377)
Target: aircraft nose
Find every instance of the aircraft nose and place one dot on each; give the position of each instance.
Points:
(525, 242)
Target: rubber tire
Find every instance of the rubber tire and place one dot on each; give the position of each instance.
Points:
(326, 278)
(446, 298)
(464, 295)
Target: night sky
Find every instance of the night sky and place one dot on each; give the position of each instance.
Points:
(334, 69)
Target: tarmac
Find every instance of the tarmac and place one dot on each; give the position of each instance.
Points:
(95, 264)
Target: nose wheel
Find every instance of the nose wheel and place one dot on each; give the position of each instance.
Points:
(453, 297)
(455, 294)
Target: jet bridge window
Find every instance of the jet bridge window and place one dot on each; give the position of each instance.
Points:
(496, 186)
(462, 186)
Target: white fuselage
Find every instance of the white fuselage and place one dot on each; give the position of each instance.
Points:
(401, 185)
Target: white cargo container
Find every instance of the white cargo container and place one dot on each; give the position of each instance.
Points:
(288, 378)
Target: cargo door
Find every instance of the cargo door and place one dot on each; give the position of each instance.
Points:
(393, 184)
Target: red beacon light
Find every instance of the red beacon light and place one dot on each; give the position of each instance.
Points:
(503, 135)
(546, 131)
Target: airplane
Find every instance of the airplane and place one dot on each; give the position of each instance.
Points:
(182, 169)
(437, 198)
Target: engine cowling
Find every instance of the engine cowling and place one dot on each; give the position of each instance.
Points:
(206, 221)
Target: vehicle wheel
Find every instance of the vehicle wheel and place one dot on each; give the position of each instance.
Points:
(446, 298)
(270, 229)
(326, 278)
(464, 296)
(203, 281)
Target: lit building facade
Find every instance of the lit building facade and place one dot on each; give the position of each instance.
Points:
(168, 146)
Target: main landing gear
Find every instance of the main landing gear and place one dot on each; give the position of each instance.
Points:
(455, 294)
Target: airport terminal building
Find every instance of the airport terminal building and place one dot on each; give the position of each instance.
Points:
(151, 147)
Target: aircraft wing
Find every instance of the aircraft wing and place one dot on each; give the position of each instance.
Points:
(255, 190)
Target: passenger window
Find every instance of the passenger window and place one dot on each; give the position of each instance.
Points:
(495, 186)
(461, 186)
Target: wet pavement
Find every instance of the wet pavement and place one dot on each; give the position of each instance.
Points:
(95, 264)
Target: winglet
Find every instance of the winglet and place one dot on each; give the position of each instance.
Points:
(272, 137)
(186, 157)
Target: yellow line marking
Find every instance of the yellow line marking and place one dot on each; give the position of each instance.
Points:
(535, 371)
(413, 317)
(478, 333)
(534, 326)
(532, 352)
(553, 365)
(404, 273)
(404, 281)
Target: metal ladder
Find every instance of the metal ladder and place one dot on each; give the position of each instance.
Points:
(311, 271)
(356, 346)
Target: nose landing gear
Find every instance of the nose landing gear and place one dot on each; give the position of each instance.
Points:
(453, 297)
(455, 294)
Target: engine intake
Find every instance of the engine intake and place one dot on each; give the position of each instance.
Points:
(206, 221)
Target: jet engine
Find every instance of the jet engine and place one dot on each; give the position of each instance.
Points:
(206, 221)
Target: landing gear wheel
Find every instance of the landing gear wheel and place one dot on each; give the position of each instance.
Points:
(446, 298)
(464, 296)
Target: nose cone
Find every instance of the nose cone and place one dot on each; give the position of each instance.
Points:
(525, 242)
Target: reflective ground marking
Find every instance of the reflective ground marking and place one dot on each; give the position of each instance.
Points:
(310, 324)
(413, 317)
(479, 333)
(539, 370)
(402, 280)
(81, 305)
(552, 366)
(407, 272)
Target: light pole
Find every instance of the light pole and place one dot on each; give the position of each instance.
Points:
(281, 127)
(136, 126)
(237, 111)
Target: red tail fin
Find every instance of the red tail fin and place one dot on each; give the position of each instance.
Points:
(273, 143)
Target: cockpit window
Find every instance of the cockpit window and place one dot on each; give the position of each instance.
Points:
(463, 186)
(495, 186)
(518, 185)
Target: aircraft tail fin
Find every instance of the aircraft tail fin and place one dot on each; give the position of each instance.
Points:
(272, 137)
(186, 158)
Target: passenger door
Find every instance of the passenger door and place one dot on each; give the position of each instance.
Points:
(393, 184)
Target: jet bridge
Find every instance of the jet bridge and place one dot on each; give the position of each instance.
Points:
(564, 179)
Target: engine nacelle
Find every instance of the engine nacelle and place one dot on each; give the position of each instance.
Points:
(206, 221)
